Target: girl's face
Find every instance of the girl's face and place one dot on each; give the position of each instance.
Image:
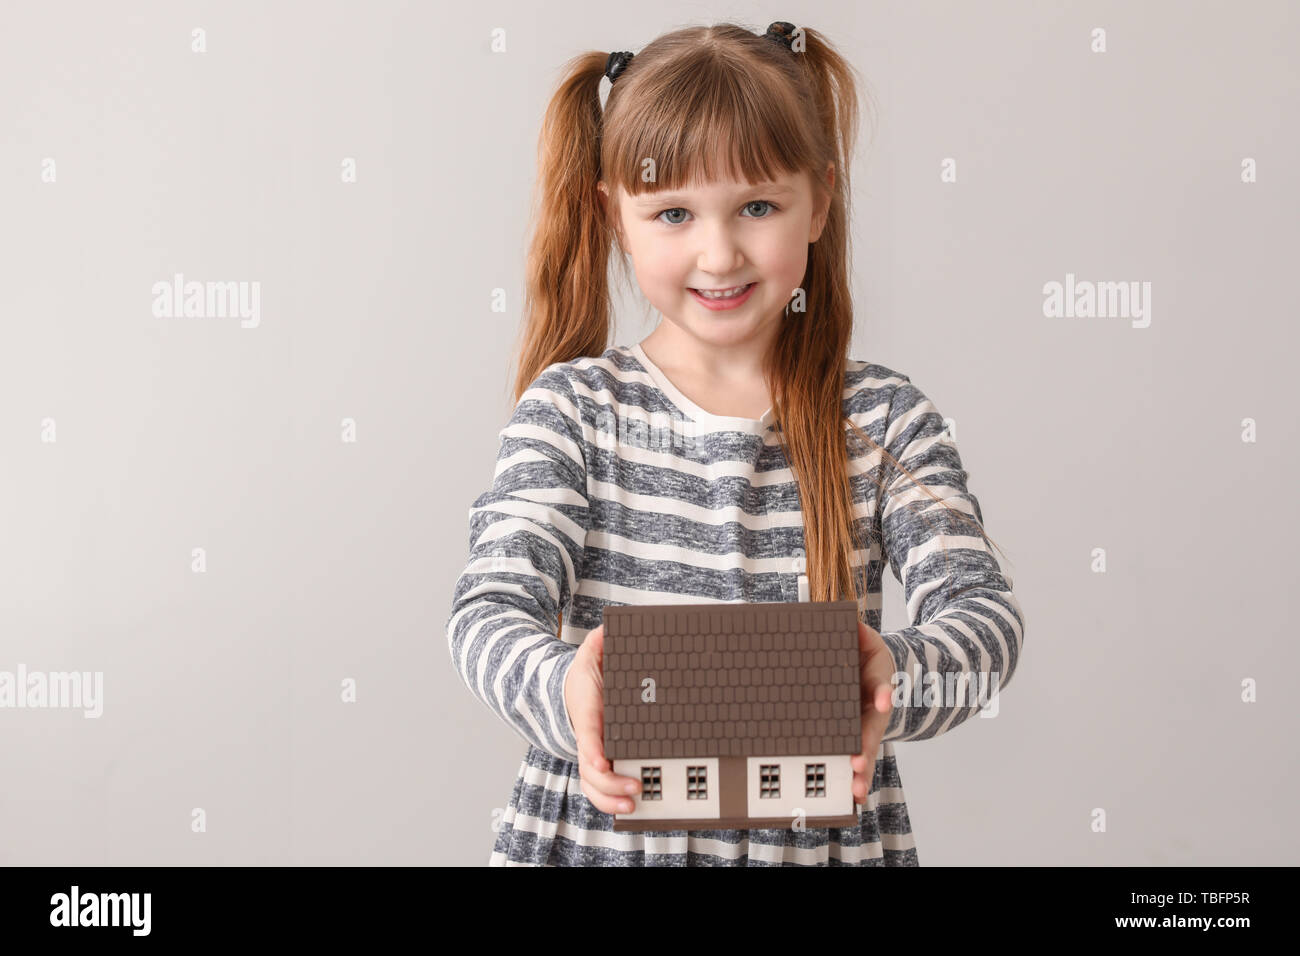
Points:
(716, 236)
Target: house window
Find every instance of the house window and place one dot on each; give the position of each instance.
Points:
(697, 784)
(769, 780)
(814, 780)
(651, 784)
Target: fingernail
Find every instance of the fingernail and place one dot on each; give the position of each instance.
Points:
(630, 788)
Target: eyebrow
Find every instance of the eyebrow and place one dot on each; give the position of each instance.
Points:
(654, 199)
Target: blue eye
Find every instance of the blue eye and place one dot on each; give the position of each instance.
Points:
(756, 202)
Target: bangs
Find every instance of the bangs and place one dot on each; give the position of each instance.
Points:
(705, 120)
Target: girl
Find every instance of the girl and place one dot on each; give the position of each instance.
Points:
(736, 454)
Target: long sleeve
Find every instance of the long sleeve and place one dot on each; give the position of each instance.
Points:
(964, 617)
(526, 543)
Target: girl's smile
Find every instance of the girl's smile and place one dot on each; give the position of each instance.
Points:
(720, 302)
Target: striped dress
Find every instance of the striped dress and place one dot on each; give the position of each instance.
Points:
(612, 487)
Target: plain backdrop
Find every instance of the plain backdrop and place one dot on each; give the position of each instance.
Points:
(329, 561)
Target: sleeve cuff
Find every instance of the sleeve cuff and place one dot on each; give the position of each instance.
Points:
(568, 739)
(899, 650)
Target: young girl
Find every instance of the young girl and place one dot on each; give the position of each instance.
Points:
(735, 454)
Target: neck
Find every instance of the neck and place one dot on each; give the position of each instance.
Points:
(671, 348)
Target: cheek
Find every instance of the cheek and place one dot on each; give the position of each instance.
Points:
(656, 268)
(789, 250)
(789, 256)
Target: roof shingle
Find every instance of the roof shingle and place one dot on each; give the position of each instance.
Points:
(755, 679)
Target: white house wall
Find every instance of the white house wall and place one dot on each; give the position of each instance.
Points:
(839, 787)
(674, 804)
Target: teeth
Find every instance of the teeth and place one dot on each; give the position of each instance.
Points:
(726, 294)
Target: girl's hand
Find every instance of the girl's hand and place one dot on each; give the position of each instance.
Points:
(877, 694)
(583, 696)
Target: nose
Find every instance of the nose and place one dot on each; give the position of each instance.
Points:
(719, 254)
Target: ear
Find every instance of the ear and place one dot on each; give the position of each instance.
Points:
(824, 207)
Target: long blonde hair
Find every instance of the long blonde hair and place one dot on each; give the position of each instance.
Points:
(694, 100)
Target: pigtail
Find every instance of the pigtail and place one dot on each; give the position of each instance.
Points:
(566, 295)
(807, 362)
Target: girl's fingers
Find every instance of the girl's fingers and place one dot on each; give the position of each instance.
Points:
(597, 772)
(610, 792)
(615, 784)
(603, 801)
(588, 722)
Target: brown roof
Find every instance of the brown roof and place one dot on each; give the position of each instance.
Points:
(756, 679)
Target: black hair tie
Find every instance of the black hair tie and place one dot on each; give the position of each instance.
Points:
(782, 32)
(616, 64)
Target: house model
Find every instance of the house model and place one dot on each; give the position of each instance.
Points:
(736, 716)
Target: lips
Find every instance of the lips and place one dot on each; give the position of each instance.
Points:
(718, 303)
(733, 290)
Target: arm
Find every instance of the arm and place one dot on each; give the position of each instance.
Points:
(963, 613)
(526, 542)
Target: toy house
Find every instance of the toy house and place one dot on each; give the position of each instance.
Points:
(734, 715)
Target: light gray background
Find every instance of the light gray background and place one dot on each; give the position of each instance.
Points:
(329, 560)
